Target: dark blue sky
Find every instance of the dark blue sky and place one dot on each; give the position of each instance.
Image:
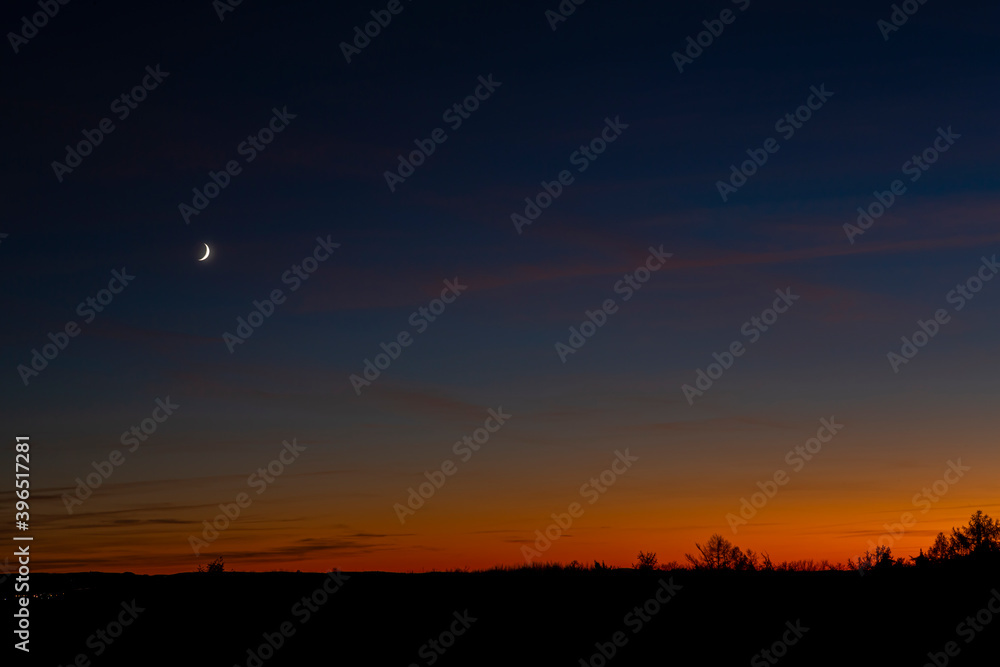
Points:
(656, 184)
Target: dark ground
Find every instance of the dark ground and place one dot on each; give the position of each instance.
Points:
(521, 618)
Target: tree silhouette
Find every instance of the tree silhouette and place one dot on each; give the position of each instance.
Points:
(979, 538)
(721, 554)
(881, 559)
(942, 549)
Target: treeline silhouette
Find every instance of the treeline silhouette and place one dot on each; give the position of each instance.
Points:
(976, 543)
(732, 605)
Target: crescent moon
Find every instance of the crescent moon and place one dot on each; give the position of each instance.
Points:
(208, 251)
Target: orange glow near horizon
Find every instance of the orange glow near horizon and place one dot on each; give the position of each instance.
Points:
(337, 508)
(610, 533)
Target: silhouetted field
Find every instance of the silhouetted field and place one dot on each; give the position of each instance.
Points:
(892, 617)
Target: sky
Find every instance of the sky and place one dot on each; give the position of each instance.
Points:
(267, 130)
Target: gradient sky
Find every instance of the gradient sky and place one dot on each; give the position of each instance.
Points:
(323, 176)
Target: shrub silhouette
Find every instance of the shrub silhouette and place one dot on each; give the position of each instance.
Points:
(647, 561)
(215, 567)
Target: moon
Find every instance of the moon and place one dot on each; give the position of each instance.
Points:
(208, 251)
